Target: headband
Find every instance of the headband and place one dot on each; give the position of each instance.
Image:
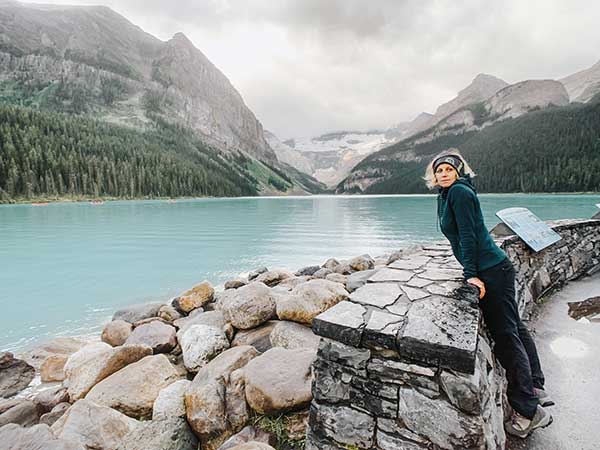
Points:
(454, 160)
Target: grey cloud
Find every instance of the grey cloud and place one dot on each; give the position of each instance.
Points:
(311, 66)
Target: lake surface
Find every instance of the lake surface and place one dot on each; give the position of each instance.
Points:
(66, 267)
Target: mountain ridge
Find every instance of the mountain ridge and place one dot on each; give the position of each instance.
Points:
(103, 45)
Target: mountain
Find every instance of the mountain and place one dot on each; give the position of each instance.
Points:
(481, 88)
(89, 59)
(583, 85)
(331, 156)
(405, 130)
(288, 155)
(553, 149)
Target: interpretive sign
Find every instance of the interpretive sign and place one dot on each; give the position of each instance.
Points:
(534, 231)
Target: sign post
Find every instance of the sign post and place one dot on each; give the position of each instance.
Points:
(531, 229)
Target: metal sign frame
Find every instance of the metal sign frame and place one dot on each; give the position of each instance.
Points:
(531, 229)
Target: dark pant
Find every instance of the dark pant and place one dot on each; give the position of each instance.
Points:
(514, 346)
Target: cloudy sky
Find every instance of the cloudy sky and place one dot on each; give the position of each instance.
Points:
(307, 67)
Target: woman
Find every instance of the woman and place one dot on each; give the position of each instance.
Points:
(486, 266)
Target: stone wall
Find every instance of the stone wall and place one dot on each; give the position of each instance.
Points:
(576, 254)
(405, 364)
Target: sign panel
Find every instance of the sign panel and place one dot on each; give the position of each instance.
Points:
(534, 231)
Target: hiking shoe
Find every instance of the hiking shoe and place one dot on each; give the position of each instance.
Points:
(544, 397)
(521, 426)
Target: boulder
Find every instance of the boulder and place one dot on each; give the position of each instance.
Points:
(116, 332)
(201, 343)
(19, 411)
(53, 368)
(160, 337)
(49, 398)
(279, 380)
(194, 298)
(337, 278)
(252, 275)
(274, 277)
(38, 437)
(322, 273)
(56, 413)
(188, 320)
(292, 335)
(58, 346)
(358, 279)
(248, 306)
(136, 313)
(234, 284)
(94, 426)
(163, 434)
(248, 434)
(330, 264)
(169, 313)
(94, 362)
(169, 403)
(310, 270)
(343, 268)
(211, 318)
(259, 337)
(215, 397)
(15, 374)
(133, 389)
(310, 299)
(363, 262)
(290, 283)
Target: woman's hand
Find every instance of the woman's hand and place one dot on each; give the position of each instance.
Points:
(477, 282)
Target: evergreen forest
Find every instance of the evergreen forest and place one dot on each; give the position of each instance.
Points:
(48, 155)
(556, 149)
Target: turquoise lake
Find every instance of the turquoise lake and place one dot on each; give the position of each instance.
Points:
(66, 267)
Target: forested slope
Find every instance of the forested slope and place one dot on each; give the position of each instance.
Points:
(556, 149)
(45, 154)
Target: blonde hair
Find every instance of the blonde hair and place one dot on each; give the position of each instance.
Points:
(429, 177)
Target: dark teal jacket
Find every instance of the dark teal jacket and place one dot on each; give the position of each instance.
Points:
(461, 221)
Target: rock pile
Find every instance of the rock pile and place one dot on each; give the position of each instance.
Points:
(198, 372)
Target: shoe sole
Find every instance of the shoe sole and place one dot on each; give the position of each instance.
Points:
(523, 436)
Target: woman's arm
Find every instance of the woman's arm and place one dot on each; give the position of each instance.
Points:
(463, 202)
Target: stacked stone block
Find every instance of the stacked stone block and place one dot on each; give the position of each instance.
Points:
(401, 365)
(576, 254)
(404, 365)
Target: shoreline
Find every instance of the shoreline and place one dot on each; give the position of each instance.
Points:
(43, 201)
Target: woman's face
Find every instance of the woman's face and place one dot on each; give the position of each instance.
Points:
(445, 175)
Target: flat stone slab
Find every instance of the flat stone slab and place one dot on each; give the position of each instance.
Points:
(344, 322)
(377, 294)
(410, 263)
(446, 289)
(441, 331)
(400, 307)
(418, 282)
(415, 293)
(391, 275)
(441, 274)
(382, 329)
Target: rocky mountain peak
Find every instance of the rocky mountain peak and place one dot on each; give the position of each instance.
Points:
(88, 45)
(583, 85)
(480, 89)
(181, 40)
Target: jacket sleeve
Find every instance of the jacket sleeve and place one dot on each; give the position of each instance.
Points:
(464, 205)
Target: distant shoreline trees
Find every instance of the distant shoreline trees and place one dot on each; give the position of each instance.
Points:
(46, 154)
(555, 149)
